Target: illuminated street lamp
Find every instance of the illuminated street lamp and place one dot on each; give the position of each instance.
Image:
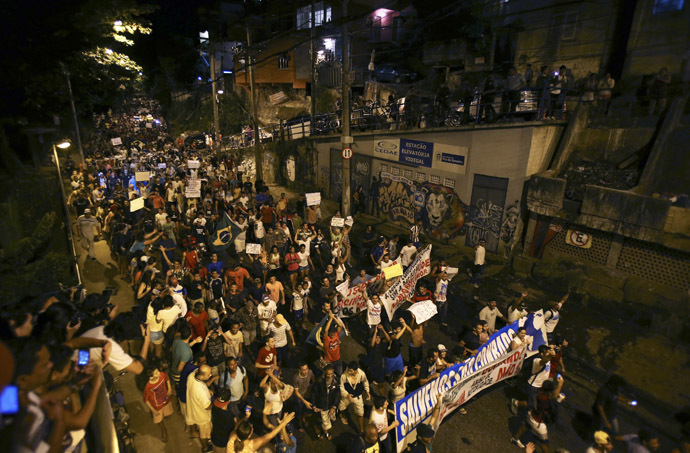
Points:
(118, 23)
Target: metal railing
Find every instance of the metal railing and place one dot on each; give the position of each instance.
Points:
(421, 113)
(68, 220)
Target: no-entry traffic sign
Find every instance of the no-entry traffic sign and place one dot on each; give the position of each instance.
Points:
(347, 153)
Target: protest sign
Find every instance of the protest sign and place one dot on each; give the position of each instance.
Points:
(451, 272)
(404, 286)
(313, 198)
(162, 165)
(418, 406)
(192, 193)
(353, 298)
(136, 204)
(337, 222)
(117, 141)
(349, 221)
(393, 271)
(253, 249)
(149, 125)
(142, 176)
(193, 163)
(423, 310)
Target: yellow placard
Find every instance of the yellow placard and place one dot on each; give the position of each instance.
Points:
(393, 271)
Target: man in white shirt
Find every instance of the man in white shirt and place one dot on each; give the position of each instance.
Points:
(479, 263)
(552, 316)
(539, 372)
(266, 310)
(489, 314)
(199, 402)
(406, 254)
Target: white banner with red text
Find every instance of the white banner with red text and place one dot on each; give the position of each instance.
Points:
(403, 288)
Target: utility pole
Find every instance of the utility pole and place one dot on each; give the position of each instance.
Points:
(214, 98)
(346, 139)
(313, 64)
(74, 112)
(258, 157)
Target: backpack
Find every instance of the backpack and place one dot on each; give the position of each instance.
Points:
(547, 410)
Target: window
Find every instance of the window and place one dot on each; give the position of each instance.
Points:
(435, 179)
(384, 167)
(421, 176)
(407, 174)
(449, 182)
(395, 171)
(322, 15)
(283, 61)
(564, 25)
(662, 6)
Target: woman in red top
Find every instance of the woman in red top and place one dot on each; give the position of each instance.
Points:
(292, 264)
(157, 397)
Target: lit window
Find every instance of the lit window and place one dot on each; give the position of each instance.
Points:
(283, 61)
(662, 6)
(322, 15)
(435, 179)
(449, 182)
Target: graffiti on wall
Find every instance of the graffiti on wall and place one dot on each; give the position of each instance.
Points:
(511, 222)
(486, 223)
(324, 176)
(290, 168)
(441, 210)
(269, 167)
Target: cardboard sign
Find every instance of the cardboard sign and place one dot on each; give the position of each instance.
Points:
(137, 204)
(253, 249)
(313, 198)
(393, 271)
(149, 125)
(117, 141)
(191, 193)
(349, 221)
(162, 165)
(337, 222)
(423, 310)
(193, 163)
(142, 176)
(451, 272)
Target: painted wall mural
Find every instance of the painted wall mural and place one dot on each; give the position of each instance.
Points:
(511, 225)
(441, 210)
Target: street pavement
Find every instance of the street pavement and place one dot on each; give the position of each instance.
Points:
(487, 427)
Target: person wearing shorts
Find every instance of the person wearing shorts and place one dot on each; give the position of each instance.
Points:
(540, 415)
(157, 397)
(354, 388)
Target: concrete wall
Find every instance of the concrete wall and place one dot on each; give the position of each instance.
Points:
(657, 40)
(541, 41)
(513, 152)
(611, 144)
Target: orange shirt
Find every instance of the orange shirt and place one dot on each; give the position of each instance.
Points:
(331, 346)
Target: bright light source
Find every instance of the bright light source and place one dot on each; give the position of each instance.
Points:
(157, 121)
(64, 144)
(199, 78)
(329, 44)
(227, 72)
(382, 12)
(118, 23)
(141, 73)
(221, 91)
(109, 51)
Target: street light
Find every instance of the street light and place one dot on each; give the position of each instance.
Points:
(64, 144)
(220, 91)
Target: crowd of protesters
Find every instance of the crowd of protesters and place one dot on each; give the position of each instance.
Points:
(246, 344)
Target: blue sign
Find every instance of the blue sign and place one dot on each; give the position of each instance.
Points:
(417, 407)
(452, 159)
(414, 152)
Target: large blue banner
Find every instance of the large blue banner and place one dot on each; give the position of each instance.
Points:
(415, 152)
(417, 407)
